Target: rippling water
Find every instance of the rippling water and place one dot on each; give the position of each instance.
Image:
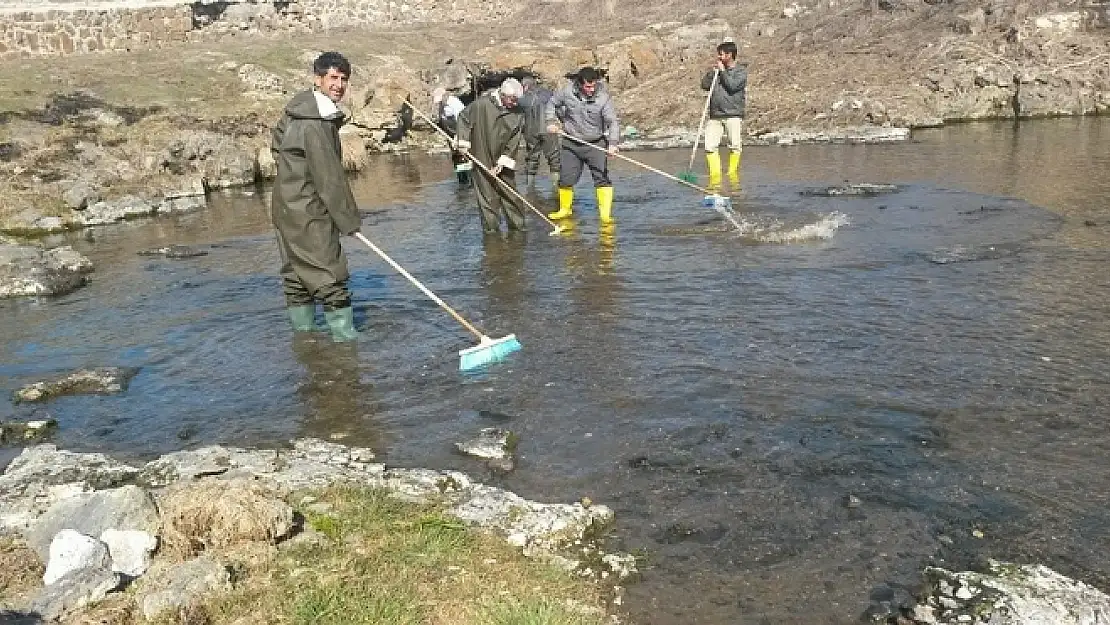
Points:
(940, 353)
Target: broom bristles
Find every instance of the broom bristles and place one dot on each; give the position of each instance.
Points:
(486, 353)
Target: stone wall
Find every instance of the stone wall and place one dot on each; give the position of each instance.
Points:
(57, 31)
(59, 27)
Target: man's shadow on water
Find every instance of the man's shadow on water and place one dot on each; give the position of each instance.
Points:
(339, 405)
(503, 268)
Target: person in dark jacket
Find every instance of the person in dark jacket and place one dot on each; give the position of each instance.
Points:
(312, 202)
(586, 112)
(537, 140)
(726, 111)
(490, 129)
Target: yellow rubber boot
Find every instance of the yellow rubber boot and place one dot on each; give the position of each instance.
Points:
(733, 163)
(566, 199)
(605, 204)
(713, 162)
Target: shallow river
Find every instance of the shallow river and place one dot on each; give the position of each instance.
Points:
(790, 420)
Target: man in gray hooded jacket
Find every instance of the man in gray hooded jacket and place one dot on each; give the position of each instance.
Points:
(312, 202)
(587, 114)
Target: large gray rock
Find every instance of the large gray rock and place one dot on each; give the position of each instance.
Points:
(109, 212)
(43, 475)
(28, 270)
(186, 466)
(1010, 594)
(131, 550)
(182, 204)
(79, 196)
(73, 592)
(220, 160)
(124, 508)
(100, 381)
(180, 585)
(535, 527)
(494, 445)
(73, 551)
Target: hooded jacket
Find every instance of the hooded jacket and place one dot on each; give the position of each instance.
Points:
(312, 201)
(588, 119)
(728, 97)
(533, 104)
(490, 131)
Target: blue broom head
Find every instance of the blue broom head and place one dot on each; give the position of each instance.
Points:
(484, 353)
(717, 202)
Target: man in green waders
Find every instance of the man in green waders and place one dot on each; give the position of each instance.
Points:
(312, 202)
(491, 128)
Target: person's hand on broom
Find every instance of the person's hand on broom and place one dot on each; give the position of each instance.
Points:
(613, 149)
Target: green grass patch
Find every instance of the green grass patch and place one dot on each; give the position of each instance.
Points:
(535, 612)
(383, 561)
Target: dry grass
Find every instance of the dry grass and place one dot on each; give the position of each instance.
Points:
(20, 570)
(213, 514)
(355, 156)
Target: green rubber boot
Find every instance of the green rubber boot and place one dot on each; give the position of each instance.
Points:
(341, 322)
(303, 318)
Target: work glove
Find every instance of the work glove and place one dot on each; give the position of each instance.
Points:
(613, 149)
(554, 129)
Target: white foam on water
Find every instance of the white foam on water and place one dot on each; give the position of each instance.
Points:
(823, 228)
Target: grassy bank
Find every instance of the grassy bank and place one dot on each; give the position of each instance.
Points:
(364, 558)
(388, 562)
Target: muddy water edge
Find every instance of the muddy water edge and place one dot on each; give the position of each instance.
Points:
(790, 420)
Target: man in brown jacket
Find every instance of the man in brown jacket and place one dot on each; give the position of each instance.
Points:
(312, 202)
(491, 128)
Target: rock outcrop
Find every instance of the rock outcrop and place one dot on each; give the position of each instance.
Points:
(96, 533)
(29, 270)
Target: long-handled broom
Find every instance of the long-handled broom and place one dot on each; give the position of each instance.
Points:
(711, 199)
(555, 229)
(689, 175)
(486, 351)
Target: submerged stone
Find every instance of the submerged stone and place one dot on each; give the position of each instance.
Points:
(174, 251)
(863, 189)
(100, 381)
(14, 433)
(964, 253)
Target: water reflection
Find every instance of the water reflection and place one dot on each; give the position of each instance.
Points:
(338, 403)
